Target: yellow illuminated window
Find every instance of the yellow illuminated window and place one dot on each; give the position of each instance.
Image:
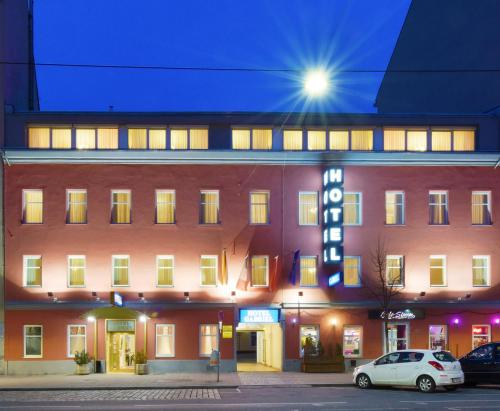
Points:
(308, 208)
(179, 139)
(137, 139)
(85, 138)
(437, 270)
(77, 339)
(165, 207)
(165, 340)
(33, 341)
(76, 271)
(241, 139)
(352, 271)
(61, 138)
(394, 140)
(198, 139)
(394, 207)
(352, 208)
(259, 207)
(262, 139)
(32, 270)
(394, 270)
(208, 269)
(416, 140)
(209, 207)
(292, 139)
(316, 140)
(165, 270)
(339, 140)
(463, 140)
(39, 137)
(481, 270)
(120, 207)
(481, 207)
(32, 206)
(76, 207)
(362, 140)
(308, 271)
(441, 140)
(209, 336)
(260, 270)
(438, 207)
(121, 265)
(157, 139)
(107, 138)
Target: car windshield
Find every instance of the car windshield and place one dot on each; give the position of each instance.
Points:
(443, 356)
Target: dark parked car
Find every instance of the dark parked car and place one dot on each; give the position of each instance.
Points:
(482, 365)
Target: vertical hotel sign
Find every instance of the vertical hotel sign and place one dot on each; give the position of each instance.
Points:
(333, 217)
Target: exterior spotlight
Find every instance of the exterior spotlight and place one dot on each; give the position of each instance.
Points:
(91, 319)
(301, 293)
(422, 293)
(143, 318)
(51, 295)
(141, 297)
(186, 296)
(95, 296)
(316, 82)
(467, 296)
(233, 296)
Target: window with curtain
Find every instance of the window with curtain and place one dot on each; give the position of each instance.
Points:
(394, 268)
(339, 140)
(107, 138)
(157, 139)
(316, 140)
(241, 139)
(32, 206)
(76, 207)
(209, 334)
(259, 207)
(260, 270)
(165, 340)
(76, 271)
(308, 271)
(437, 270)
(39, 137)
(121, 265)
(292, 140)
(308, 208)
(32, 269)
(165, 206)
(61, 138)
(438, 207)
(137, 138)
(481, 270)
(262, 139)
(416, 140)
(463, 140)
(394, 207)
(165, 270)
(441, 140)
(361, 140)
(120, 207)
(352, 208)
(179, 139)
(352, 271)
(85, 138)
(77, 339)
(208, 269)
(209, 207)
(33, 335)
(481, 207)
(394, 140)
(198, 139)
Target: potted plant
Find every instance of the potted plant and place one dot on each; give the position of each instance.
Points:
(82, 361)
(317, 360)
(141, 366)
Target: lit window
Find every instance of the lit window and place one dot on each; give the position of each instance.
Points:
(198, 139)
(481, 334)
(107, 138)
(33, 343)
(262, 139)
(179, 139)
(32, 206)
(241, 139)
(85, 138)
(292, 139)
(308, 208)
(39, 137)
(120, 207)
(309, 337)
(165, 340)
(77, 339)
(259, 207)
(209, 207)
(441, 140)
(137, 138)
(165, 207)
(352, 341)
(260, 271)
(61, 138)
(120, 270)
(316, 140)
(352, 208)
(481, 271)
(209, 336)
(395, 270)
(76, 271)
(157, 139)
(165, 270)
(438, 336)
(438, 271)
(362, 140)
(32, 270)
(394, 207)
(463, 140)
(416, 140)
(352, 271)
(438, 207)
(339, 140)
(394, 140)
(76, 206)
(208, 269)
(481, 207)
(308, 271)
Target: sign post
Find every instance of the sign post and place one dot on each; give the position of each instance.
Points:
(221, 319)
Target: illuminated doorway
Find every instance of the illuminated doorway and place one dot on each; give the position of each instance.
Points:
(259, 347)
(120, 346)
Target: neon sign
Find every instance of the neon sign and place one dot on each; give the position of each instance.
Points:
(334, 279)
(333, 215)
(261, 315)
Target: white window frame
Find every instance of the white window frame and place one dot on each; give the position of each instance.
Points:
(360, 208)
(165, 257)
(156, 341)
(446, 204)
(407, 334)
(482, 335)
(23, 211)
(68, 339)
(84, 271)
(266, 257)
(116, 256)
(24, 341)
(216, 270)
(317, 208)
(488, 270)
(445, 335)
(403, 207)
(25, 269)
(174, 203)
(445, 274)
(129, 192)
(402, 271)
(199, 338)
(76, 190)
(315, 257)
(268, 206)
(360, 327)
(358, 257)
(488, 196)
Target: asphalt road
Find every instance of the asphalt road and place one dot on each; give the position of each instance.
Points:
(252, 398)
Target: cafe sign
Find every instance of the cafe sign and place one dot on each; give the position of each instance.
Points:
(394, 315)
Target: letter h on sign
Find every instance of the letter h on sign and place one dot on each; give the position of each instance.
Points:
(333, 217)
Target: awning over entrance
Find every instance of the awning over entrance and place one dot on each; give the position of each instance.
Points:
(113, 312)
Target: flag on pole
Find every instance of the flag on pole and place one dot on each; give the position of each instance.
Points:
(292, 278)
(243, 279)
(223, 277)
(273, 281)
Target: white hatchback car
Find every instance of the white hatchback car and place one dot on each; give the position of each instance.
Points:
(426, 369)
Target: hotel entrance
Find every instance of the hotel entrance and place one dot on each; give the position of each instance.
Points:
(120, 345)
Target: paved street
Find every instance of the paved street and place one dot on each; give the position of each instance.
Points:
(251, 398)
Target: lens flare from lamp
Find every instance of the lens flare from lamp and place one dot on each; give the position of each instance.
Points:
(143, 318)
(91, 319)
(456, 321)
(316, 82)
(496, 320)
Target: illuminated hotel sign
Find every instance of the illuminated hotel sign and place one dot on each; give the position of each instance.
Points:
(333, 215)
(259, 315)
(116, 299)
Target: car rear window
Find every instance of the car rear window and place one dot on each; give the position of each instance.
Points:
(443, 356)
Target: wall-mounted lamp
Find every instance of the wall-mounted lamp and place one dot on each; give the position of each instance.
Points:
(186, 296)
(141, 297)
(333, 322)
(95, 296)
(496, 320)
(467, 296)
(421, 295)
(91, 319)
(143, 318)
(294, 321)
(455, 321)
(301, 293)
(51, 295)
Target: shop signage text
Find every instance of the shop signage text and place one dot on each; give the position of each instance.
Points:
(392, 315)
(227, 331)
(259, 315)
(333, 215)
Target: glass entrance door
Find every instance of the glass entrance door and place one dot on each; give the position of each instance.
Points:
(397, 334)
(121, 352)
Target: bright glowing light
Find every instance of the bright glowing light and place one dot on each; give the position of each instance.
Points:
(456, 321)
(90, 319)
(294, 320)
(143, 318)
(316, 83)
(496, 320)
(333, 321)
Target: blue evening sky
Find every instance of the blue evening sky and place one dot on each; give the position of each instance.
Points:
(284, 34)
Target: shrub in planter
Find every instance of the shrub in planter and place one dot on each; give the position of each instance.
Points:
(321, 362)
(82, 360)
(141, 366)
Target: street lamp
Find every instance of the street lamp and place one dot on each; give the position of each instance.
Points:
(316, 82)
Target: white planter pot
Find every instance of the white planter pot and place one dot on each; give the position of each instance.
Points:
(82, 369)
(141, 369)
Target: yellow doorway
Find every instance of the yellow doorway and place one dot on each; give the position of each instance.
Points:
(259, 348)
(120, 345)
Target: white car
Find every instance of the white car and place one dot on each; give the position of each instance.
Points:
(426, 369)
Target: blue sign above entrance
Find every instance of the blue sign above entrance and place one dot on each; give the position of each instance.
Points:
(259, 315)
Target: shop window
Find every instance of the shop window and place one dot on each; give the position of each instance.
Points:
(361, 140)
(438, 207)
(259, 207)
(352, 271)
(308, 271)
(481, 334)
(481, 270)
(208, 268)
(394, 207)
(352, 208)
(437, 270)
(165, 340)
(395, 270)
(292, 140)
(165, 206)
(339, 140)
(309, 339)
(33, 341)
(397, 335)
(209, 336)
(165, 270)
(120, 206)
(260, 270)
(32, 270)
(32, 206)
(121, 265)
(308, 208)
(481, 207)
(316, 140)
(77, 339)
(76, 271)
(352, 341)
(76, 206)
(209, 207)
(438, 337)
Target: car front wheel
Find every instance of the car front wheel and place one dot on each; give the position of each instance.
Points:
(426, 384)
(363, 381)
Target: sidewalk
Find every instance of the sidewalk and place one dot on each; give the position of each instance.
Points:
(178, 380)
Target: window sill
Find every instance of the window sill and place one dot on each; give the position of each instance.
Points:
(481, 286)
(120, 286)
(438, 286)
(439, 225)
(164, 356)
(395, 225)
(77, 286)
(32, 356)
(28, 224)
(77, 224)
(164, 286)
(32, 286)
(482, 225)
